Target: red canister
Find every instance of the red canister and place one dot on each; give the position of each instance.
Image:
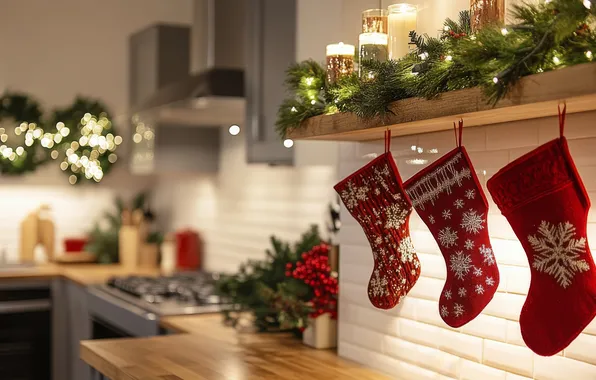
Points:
(188, 246)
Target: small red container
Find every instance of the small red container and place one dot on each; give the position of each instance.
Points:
(188, 245)
(74, 245)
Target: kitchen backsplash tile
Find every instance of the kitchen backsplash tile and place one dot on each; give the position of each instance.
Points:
(491, 346)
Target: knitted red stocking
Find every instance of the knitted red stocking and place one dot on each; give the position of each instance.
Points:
(374, 196)
(450, 201)
(544, 200)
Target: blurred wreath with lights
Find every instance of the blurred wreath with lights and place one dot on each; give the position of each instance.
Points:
(84, 140)
(20, 132)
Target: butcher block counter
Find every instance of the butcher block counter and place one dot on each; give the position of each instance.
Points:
(82, 274)
(205, 349)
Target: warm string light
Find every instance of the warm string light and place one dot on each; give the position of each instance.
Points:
(32, 132)
(83, 156)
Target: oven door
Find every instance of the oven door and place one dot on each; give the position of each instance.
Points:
(112, 317)
(25, 331)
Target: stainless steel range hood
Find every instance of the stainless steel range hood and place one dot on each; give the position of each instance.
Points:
(212, 93)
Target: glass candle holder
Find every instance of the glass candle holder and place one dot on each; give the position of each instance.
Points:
(374, 21)
(486, 12)
(340, 61)
(401, 21)
(373, 46)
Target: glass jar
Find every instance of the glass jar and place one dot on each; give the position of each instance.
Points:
(374, 21)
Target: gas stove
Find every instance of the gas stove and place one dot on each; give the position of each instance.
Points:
(181, 294)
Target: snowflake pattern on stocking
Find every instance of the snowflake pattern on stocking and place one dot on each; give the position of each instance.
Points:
(396, 216)
(490, 281)
(459, 203)
(444, 311)
(378, 285)
(458, 310)
(558, 252)
(431, 219)
(406, 249)
(477, 272)
(469, 244)
(448, 237)
(354, 194)
(446, 214)
(448, 294)
(487, 255)
(471, 194)
(460, 264)
(479, 289)
(462, 292)
(472, 222)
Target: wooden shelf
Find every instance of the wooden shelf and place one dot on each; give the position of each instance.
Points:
(536, 96)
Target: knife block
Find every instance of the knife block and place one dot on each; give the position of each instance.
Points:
(129, 245)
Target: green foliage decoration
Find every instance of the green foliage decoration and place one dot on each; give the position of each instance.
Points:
(544, 37)
(261, 287)
(20, 132)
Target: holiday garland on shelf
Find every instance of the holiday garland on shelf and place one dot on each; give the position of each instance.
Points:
(546, 37)
(20, 132)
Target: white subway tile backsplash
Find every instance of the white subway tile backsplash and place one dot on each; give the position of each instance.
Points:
(433, 266)
(424, 242)
(583, 348)
(373, 319)
(427, 288)
(514, 359)
(461, 344)
(363, 337)
(488, 327)
(418, 332)
(509, 252)
(422, 356)
(416, 343)
(518, 279)
(505, 305)
(476, 371)
(559, 367)
(514, 335)
(499, 137)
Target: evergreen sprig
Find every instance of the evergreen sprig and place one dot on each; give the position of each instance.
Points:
(545, 37)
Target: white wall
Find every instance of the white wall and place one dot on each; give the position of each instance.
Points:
(55, 50)
(236, 211)
(411, 341)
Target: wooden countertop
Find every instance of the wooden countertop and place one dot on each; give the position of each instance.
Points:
(208, 350)
(83, 274)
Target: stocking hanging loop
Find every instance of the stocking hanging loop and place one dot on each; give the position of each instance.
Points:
(562, 119)
(387, 140)
(458, 129)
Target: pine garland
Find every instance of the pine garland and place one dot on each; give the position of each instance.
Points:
(545, 37)
(20, 129)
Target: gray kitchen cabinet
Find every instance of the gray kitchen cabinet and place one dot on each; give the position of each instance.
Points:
(79, 325)
(270, 49)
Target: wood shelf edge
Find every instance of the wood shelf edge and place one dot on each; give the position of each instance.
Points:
(536, 96)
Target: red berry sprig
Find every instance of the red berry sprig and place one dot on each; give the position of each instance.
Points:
(314, 271)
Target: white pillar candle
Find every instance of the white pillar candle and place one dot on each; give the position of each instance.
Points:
(402, 20)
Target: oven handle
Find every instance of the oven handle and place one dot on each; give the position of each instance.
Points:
(13, 307)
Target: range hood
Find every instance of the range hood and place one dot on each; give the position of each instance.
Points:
(211, 93)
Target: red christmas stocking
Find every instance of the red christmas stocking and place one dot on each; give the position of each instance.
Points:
(544, 200)
(375, 197)
(450, 201)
